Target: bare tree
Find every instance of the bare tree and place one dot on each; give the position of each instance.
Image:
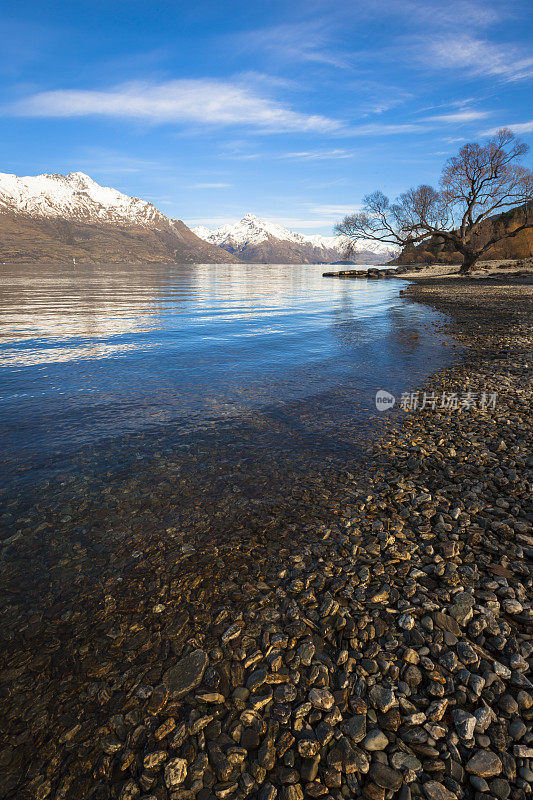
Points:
(481, 181)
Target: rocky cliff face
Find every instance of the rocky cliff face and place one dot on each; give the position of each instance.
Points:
(258, 241)
(436, 251)
(61, 217)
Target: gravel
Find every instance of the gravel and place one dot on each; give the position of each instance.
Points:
(384, 652)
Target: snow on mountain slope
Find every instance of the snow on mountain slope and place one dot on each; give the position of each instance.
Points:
(76, 199)
(66, 217)
(252, 236)
(73, 196)
(250, 230)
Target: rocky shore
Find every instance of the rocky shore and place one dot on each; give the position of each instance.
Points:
(383, 652)
(514, 268)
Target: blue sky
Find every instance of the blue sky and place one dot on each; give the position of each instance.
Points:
(291, 110)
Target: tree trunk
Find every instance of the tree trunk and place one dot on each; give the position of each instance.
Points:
(469, 261)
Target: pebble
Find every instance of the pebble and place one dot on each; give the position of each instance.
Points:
(175, 772)
(437, 791)
(321, 699)
(187, 674)
(375, 740)
(381, 651)
(385, 777)
(484, 763)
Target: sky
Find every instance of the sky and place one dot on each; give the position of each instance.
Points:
(289, 110)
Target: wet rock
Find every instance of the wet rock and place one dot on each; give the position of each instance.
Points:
(294, 792)
(175, 772)
(382, 698)
(355, 728)
(461, 609)
(464, 724)
(267, 792)
(446, 623)
(187, 674)
(129, 791)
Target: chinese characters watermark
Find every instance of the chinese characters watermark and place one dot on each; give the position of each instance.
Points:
(443, 401)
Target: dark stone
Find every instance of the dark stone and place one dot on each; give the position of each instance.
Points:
(385, 776)
(187, 674)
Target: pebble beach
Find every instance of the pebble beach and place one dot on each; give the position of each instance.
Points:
(380, 650)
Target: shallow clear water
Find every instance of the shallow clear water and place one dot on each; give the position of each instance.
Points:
(219, 403)
(94, 355)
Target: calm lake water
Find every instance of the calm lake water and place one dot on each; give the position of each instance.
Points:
(91, 354)
(216, 387)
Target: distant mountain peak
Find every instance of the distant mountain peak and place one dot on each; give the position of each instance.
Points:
(256, 239)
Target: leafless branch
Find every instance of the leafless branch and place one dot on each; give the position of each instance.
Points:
(482, 180)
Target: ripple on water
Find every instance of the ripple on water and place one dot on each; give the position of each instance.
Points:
(134, 396)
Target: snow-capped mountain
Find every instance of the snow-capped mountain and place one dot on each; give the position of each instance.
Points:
(73, 196)
(257, 240)
(66, 217)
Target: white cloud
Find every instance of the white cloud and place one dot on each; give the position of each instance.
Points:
(517, 127)
(480, 56)
(332, 212)
(387, 129)
(208, 102)
(242, 156)
(452, 13)
(318, 155)
(459, 116)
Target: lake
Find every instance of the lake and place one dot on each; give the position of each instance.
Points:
(194, 397)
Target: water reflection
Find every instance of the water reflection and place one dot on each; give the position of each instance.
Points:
(209, 400)
(97, 356)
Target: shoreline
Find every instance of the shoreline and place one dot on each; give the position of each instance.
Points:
(359, 657)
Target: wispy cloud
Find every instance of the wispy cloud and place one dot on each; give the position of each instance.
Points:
(318, 155)
(476, 15)
(418, 126)
(516, 127)
(331, 212)
(459, 116)
(463, 103)
(480, 56)
(387, 129)
(206, 102)
(311, 42)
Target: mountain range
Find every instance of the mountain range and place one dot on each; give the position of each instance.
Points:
(55, 217)
(66, 217)
(258, 241)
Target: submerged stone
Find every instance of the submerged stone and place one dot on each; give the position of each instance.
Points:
(187, 674)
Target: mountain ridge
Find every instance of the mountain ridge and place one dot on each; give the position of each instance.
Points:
(53, 217)
(259, 241)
